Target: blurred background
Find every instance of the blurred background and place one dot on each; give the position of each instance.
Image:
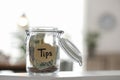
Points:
(102, 25)
(92, 25)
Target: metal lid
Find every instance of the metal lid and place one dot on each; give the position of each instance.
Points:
(71, 50)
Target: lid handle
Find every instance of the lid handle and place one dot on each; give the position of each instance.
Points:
(71, 50)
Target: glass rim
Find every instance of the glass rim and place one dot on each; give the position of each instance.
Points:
(44, 29)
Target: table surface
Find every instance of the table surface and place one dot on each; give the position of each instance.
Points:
(91, 75)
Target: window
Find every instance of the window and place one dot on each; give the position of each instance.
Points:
(64, 14)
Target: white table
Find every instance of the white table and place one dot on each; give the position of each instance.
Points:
(96, 75)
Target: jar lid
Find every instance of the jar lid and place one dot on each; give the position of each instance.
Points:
(71, 50)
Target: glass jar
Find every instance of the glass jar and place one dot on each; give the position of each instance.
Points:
(42, 50)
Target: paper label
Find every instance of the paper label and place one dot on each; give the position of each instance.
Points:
(42, 55)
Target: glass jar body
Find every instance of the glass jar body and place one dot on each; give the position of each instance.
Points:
(42, 51)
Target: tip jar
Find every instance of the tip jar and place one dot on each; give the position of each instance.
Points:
(42, 51)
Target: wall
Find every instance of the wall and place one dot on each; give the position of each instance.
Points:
(109, 40)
